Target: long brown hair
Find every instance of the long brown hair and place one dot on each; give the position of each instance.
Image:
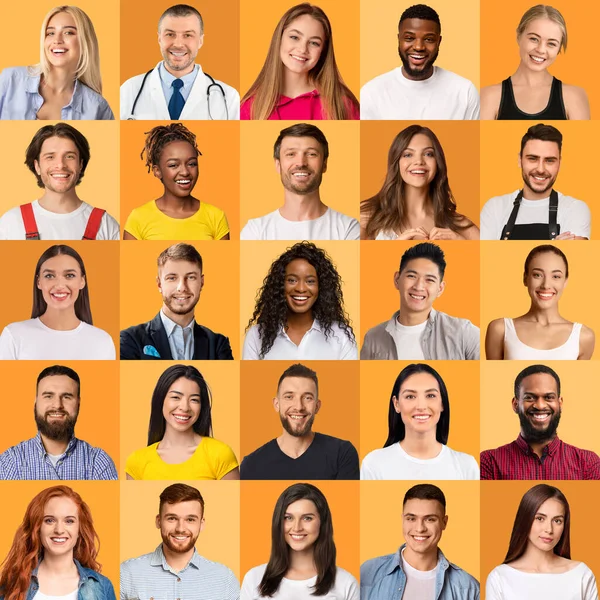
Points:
(27, 550)
(530, 504)
(387, 208)
(325, 75)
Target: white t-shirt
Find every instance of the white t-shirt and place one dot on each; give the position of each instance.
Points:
(408, 340)
(445, 95)
(55, 226)
(506, 583)
(71, 596)
(332, 225)
(394, 463)
(573, 215)
(32, 340)
(345, 587)
(313, 346)
(420, 585)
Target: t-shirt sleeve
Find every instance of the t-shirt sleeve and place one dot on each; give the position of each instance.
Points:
(577, 219)
(471, 467)
(348, 462)
(472, 112)
(251, 350)
(352, 591)
(366, 472)
(222, 458)
(493, 587)
(250, 231)
(133, 225)
(367, 109)
(8, 349)
(472, 342)
(221, 226)
(490, 227)
(135, 465)
(590, 589)
(109, 228)
(353, 231)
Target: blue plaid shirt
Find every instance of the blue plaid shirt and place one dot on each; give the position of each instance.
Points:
(29, 460)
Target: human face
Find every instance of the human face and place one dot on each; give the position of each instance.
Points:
(419, 285)
(540, 44)
(179, 39)
(540, 163)
(301, 44)
(57, 407)
(297, 405)
(60, 281)
(548, 525)
(539, 407)
(546, 279)
(181, 408)
(422, 524)
(180, 525)
(417, 163)
(61, 43)
(419, 403)
(418, 46)
(59, 165)
(180, 282)
(301, 164)
(301, 286)
(60, 526)
(301, 525)
(178, 168)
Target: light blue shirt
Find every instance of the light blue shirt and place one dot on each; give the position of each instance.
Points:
(181, 339)
(20, 99)
(167, 79)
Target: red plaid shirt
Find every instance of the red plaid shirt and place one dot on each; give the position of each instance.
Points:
(559, 461)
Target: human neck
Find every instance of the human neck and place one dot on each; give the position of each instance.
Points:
(60, 320)
(181, 320)
(179, 74)
(177, 560)
(295, 84)
(54, 447)
(421, 76)
(60, 203)
(410, 319)
(421, 445)
(537, 560)
(179, 439)
(529, 194)
(425, 561)
(538, 446)
(62, 565)
(300, 320)
(294, 446)
(303, 561)
(525, 76)
(176, 203)
(60, 81)
(297, 207)
(543, 316)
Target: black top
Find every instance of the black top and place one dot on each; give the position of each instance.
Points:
(554, 110)
(326, 458)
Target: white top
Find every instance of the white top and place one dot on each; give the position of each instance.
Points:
(506, 583)
(55, 226)
(573, 215)
(345, 587)
(420, 585)
(71, 596)
(333, 225)
(313, 346)
(32, 340)
(445, 95)
(394, 463)
(408, 340)
(515, 349)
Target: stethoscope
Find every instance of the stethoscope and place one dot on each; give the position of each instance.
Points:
(212, 84)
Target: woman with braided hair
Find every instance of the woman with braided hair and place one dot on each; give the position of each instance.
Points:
(172, 156)
(299, 310)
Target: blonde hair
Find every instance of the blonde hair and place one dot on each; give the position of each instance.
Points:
(542, 11)
(336, 96)
(88, 66)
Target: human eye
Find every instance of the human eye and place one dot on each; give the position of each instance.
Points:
(407, 154)
(70, 275)
(70, 521)
(294, 37)
(429, 154)
(49, 33)
(409, 396)
(539, 518)
(49, 520)
(287, 517)
(316, 44)
(308, 518)
(48, 275)
(196, 400)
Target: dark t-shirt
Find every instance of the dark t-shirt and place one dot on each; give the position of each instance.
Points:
(326, 458)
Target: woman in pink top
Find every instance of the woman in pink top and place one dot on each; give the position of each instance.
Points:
(300, 79)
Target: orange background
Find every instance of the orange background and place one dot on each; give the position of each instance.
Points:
(499, 503)
(338, 392)
(219, 55)
(219, 301)
(500, 424)
(379, 260)
(381, 521)
(500, 51)
(101, 260)
(218, 180)
(258, 257)
(102, 497)
(504, 295)
(261, 188)
(459, 51)
(100, 185)
(258, 501)
(455, 137)
(461, 377)
(98, 421)
(257, 27)
(219, 541)
(138, 380)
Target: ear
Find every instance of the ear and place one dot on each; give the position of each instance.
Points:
(202, 282)
(36, 164)
(276, 404)
(278, 166)
(157, 172)
(444, 522)
(442, 288)
(515, 405)
(37, 283)
(397, 280)
(158, 521)
(158, 284)
(325, 166)
(202, 522)
(317, 406)
(440, 42)
(201, 41)
(396, 403)
(82, 283)
(520, 161)
(560, 402)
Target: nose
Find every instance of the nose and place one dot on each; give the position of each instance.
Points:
(182, 285)
(418, 44)
(540, 403)
(420, 527)
(298, 525)
(58, 527)
(184, 404)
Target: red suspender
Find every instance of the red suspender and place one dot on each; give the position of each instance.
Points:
(93, 224)
(31, 231)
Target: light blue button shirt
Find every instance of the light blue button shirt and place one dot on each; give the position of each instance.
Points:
(181, 339)
(167, 79)
(20, 99)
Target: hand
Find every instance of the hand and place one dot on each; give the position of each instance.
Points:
(413, 234)
(439, 233)
(567, 235)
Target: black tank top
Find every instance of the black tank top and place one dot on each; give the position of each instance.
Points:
(555, 110)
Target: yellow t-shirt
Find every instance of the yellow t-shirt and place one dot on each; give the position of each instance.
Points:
(147, 222)
(212, 459)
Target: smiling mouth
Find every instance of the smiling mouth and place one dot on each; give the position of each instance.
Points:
(419, 538)
(540, 417)
(183, 181)
(177, 54)
(418, 172)
(182, 418)
(297, 537)
(422, 418)
(60, 175)
(58, 51)
(545, 295)
(180, 538)
(537, 59)
(297, 417)
(540, 178)
(59, 540)
(301, 174)
(299, 58)
(417, 297)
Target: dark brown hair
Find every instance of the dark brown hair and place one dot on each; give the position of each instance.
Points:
(301, 130)
(161, 135)
(180, 492)
(542, 250)
(299, 370)
(545, 133)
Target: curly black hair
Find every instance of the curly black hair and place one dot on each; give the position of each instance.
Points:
(271, 309)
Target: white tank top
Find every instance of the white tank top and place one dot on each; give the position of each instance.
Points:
(515, 349)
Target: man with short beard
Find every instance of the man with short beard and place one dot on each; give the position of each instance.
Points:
(299, 452)
(538, 453)
(55, 452)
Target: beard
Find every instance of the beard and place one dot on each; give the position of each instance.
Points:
(295, 431)
(299, 188)
(549, 184)
(179, 309)
(60, 431)
(178, 549)
(416, 73)
(535, 435)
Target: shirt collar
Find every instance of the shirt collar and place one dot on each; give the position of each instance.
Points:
(84, 573)
(158, 559)
(396, 561)
(37, 440)
(32, 86)
(168, 78)
(315, 325)
(550, 449)
(392, 322)
(170, 325)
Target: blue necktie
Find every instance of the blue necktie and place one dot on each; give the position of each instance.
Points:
(176, 103)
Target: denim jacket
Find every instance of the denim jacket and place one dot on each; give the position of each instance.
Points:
(382, 578)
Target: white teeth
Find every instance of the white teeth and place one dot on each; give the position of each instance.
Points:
(419, 538)
(182, 419)
(297, 537)
(299, 58)
(59, 51)
(541, 417)
(537, 59)
(59, 540)
(60, 175)
(301, 174)
(417, 172)
(300, 297)
(539, 178)
(178, 53)
(417, 297)
(421, 417)
(183, 180)
(297, 417)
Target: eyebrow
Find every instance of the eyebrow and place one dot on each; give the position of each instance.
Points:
(180, 393)
(185, 274)
(538, 35)
(53, 271)
(539, 156)
(415, 391)
(542, 270)
(424, 516)
(186, 31)
(541, 514)
(302, 515)
(66, 517)
(426, 148)
(416, 273)
(286, 148)
(314, 37)
(65, 27)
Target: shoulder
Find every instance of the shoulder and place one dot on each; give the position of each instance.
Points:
(454, 79)
(143, 454)
(381, 454)
(211, 210)
(263, 450)
(246, 108)
(217, 569)
(494, 453)
(587, 334)
(136, 80)
(255, 574)
(461, 576)
(504, 201)
(459, 323)
(338, 216)
(333, 442)
(15, 74)
(22, 327)
(343, 578)
(131, 565)
(138, 330)
(215, 447)
(375, 568)
(496, 327)
(576, 102)
(89, 94)
(144, 210)
(377, 330)
(95, 332)
(491, 92)
(378, 81)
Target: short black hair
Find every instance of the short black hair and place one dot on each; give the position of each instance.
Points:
(420, 11)
(425, 491)
(426, 250)
(533, 370)
(301, 130)
(545, 133)
(299, 370)
(59, 370)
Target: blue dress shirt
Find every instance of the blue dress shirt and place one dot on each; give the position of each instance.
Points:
(166, 80)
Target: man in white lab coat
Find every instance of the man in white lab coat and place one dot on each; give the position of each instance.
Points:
(177, 88)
